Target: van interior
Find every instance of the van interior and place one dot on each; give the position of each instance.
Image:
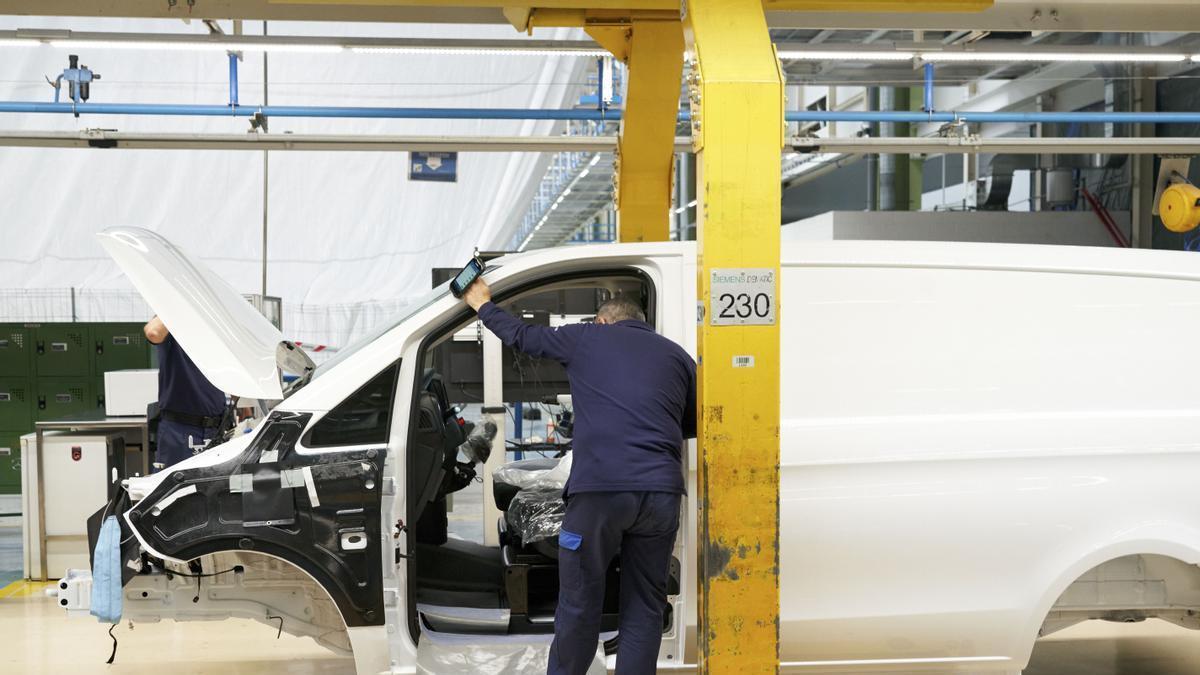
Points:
(458, 583)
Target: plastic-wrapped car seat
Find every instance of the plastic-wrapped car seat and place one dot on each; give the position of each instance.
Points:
(536, 515)
(511, 478)
(530, 494)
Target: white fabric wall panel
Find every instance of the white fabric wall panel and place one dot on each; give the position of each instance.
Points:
(344, 227)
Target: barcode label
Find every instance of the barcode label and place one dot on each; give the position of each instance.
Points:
(58, 346)
(743, 362)
(120, 339)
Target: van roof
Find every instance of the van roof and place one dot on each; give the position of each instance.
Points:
(925, 254)
(1016, 257)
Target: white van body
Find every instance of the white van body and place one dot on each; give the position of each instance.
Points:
(980, 444)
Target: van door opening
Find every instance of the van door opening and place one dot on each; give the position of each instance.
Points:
(459, 582)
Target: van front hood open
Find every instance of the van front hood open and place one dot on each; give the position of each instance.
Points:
(236, 348)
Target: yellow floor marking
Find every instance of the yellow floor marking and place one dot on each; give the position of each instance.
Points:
(12, 588)
(23, 589)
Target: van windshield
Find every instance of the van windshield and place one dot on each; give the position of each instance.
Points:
(383, 327)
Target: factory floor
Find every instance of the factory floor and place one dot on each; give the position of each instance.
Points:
(40, 638)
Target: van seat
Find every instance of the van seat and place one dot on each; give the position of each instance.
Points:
(504, 490)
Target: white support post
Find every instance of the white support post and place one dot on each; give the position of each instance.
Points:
(493, 397)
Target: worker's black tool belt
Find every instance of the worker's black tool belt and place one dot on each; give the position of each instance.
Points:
(191, 420)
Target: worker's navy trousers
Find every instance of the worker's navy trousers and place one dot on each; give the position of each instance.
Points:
(177, 442)
(638, 526)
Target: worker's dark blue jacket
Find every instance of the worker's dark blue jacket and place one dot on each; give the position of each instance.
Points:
(634, 395)
(182, 388)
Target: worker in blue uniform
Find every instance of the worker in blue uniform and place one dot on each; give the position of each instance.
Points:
(634, 394)
(191, 408)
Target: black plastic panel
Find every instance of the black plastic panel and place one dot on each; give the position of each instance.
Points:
(282, 521)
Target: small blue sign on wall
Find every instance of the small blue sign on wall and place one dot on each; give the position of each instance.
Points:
(441, 167)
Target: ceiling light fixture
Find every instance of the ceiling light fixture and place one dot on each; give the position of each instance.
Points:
(480, 51)
(972, 56)
(326, 44)
(196, 45)
(1051, 57)
(829, 55)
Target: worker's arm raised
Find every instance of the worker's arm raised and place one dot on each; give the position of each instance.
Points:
(156, 331)
(556, 343)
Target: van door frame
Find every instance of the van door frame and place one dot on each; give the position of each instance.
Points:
(648, 269)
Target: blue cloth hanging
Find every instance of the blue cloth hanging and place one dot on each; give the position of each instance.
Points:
(106, 573)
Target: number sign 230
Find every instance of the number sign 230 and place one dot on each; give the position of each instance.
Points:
(742, 296)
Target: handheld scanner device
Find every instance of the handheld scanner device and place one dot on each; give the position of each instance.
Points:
(467, 276)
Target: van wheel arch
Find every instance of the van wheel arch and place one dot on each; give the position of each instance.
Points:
(1181, 553)
(341, 599)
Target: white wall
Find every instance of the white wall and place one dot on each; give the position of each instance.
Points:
(1073, 228)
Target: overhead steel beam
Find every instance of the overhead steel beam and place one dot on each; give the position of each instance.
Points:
(103, 139)
(879, 74)
(1031, 40)
(219, 42)
(821, 37)
(258, 10)
(1003, 15)
(645, 158)
(1065, 16)
(876, 35)
(882, 116)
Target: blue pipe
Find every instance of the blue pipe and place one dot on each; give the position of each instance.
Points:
(928, 87)
(599, 84)
(310, 111)
(984, 117)
(233, 80)
(518, 433)
(585, 114)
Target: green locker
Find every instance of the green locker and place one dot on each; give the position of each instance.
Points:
(10, 462)
(61, 349)
(98, 391)
(119, 346)
(63, 397)
(16, 348)
(16, 404)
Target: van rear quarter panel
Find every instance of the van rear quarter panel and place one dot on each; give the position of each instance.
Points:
(963, 435)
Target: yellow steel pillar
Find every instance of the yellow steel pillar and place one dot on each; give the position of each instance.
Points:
(736, 91)
(645, 159)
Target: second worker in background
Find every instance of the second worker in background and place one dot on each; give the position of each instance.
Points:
(191, 409)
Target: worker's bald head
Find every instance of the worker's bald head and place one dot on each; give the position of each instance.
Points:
(619, 308)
